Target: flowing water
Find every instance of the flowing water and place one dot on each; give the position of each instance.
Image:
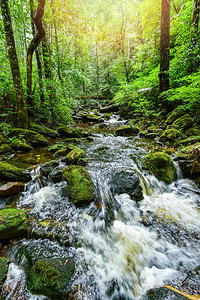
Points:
(122, 248)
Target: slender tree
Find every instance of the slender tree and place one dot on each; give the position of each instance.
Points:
(17, 81)
(195, 20)
(31, 48)
(164, 45)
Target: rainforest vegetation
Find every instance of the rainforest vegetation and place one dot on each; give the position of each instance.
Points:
(70, 53)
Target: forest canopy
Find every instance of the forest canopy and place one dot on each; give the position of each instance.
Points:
(107, 49)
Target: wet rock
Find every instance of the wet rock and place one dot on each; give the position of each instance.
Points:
(33, 138)
(19, 145)
(127, 130)
(11, 188)
(125, 181)
(190, 140)
(47, 167)
(110, 108)
(70, 132)
(183, 122)
(164, 293)
(56, 175)
(170, 135)
(42, 129)
(79, 184)
(197, 181)
(74, 156)
(190, 168)
(13, 223)
(89, 117)
(51, 277)
(4, 264)
(161, 165)
(11, 173)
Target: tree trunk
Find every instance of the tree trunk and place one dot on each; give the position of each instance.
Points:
(31, 48)
(122, 46)
(17, 81)
(38, 59)
(97, 62)
(48, 76)
(164, 46)
(195, 20)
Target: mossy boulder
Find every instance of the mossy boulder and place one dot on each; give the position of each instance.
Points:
(79, 184)
(170, 135)
(19, 145)
(161, 165)
(90, 117)
(4, 264)
(193, 131)
(42, 129)
(70, 132)
(65, 150)
(191, 140)
(13, 223)
(5, 148)
(9, 172)
(74, 156)
(183, 122)
(55, 147)
(33, 138)
(51, 277)
(127, 130)
(174, 115)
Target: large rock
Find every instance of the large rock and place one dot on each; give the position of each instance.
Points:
(11, 188)
(170, 135)
(65, 150)
(183, 122)
(19, 145)
(47, 167)
(4, 264)
(174, 115)
(79, 184)
(125, 181)
(13, 223)
(42, 129)
(70, 132)
(51, 277)
(11, 173)
(161, 165)
(164, 293)
(74, 156)
(127, 130)
(33, 138)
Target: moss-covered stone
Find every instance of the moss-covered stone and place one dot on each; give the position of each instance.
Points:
(54, 148)
(74, 156)
(161, 165)
(9, 172)
(183, 122)
(190, 140)
(5, 148)
(13, 222)
(51, 277)
(70, 132)
(170, 135)
(47, 167)
(4, 264)
(194, 131)
(33, 138)
(42, 129)
(65, 150)
(173, 115)
(127, 130)
(79, 184)
(19, 145)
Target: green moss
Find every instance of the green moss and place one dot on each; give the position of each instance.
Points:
(20, 145)
(183, 122)
(33, 138)
(74, 156)
(13, 222)
(51, 277)
(5, 148)
(1, 138)
(65, 150)
(54, 148)
(173, 115)
(161, 165)
(70, 132)
(43, 130)
(127, 130)
(4, 263)
(170, 135)
(79, 184)
(9, 172)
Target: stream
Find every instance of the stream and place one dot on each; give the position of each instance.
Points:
(122, 248)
